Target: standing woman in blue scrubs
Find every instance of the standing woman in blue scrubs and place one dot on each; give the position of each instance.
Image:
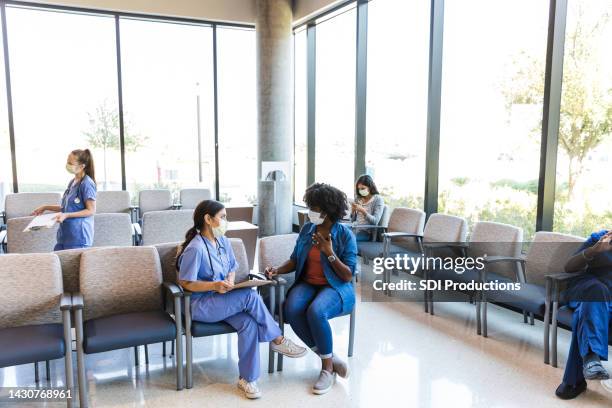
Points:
(207, 266)
(76, 229)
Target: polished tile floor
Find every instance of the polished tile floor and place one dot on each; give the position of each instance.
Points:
(403, 358)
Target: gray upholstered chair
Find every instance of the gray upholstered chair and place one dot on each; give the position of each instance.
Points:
(406, 221)
(375, 230)
(70, 260)
(487, 240)
(153, 200)
(200, 329)
(273, 251)
(113, 230)
(191, 197)
(547, 254)
(20, 242)
(165, 226)
(34, 313)
(113, 202)
(120, 306)
(22, 204)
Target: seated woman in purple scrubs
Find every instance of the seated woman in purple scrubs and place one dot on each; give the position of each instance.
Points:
(207, 266)
(78, 206)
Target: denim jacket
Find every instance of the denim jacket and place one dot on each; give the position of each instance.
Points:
(345, 248)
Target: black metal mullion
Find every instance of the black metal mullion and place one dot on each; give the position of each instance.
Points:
(216, 113)
(9, 96)
(361, 62)
(553, 77)
(311, 38)
(120, 102)
(434, 100)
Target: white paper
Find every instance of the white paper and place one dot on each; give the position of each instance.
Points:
(252, 283)
(41, 221)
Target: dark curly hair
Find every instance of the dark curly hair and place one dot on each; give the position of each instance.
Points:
(329, 199)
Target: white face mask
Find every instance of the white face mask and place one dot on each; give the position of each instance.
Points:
(315, 217)
(364, 192)
(72, 168)
(220, 230)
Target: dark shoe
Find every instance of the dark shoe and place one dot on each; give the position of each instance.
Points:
(593, 370)
(566, 392)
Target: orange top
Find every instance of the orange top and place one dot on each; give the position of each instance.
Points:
(314, 269)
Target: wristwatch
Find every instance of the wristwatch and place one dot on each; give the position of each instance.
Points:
(331, 258)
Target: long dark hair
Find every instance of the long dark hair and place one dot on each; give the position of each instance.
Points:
(206, 207)
(367, 181)
(85, 158)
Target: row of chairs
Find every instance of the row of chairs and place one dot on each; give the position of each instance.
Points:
(540, 270)
(114, 297)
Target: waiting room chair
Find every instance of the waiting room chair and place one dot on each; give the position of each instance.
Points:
(120, 306)
(20, 242)
(547, 254)
(153, 200)
(273, 251)
(35, 314)
(113, 230)
(113, 202)
(191, 197)
(165, 226)
(488, 239)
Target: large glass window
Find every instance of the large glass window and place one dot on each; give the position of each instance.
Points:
(397, 99)
(237, 115)
(335, 100)
(6, 171)
(64, 87)
(167, 71)
(300, 117)
(583, 202)
(492, 97)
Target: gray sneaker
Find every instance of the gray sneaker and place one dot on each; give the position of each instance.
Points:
(324, 383)
(594, 370)
(340, 367)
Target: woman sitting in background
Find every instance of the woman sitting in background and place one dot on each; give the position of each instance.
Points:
(367, 209)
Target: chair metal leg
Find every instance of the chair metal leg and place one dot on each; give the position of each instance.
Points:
(48, 370)
(83, 400)
(188, 344)
(478, 322)
(179, 344)
(352, 332)
(531, 319)
(484, 317)
(164, 349)
(553, 346)
(69, 380)
(281, 323)
(146, 347)
(136, 356)
(172, 349)
(547, 325)
(524, 316)
(272, 308)
(36, 376)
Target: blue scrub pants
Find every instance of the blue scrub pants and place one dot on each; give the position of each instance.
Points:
(245, 311)
(60, 247)
(308, 309)
(589, 325)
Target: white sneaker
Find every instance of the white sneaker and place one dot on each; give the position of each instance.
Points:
(289, 348)
(607, 385)
(250, 389)
(324, 383)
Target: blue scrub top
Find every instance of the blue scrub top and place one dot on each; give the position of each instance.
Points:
(195, 265)
(77, 231)
(345, 248)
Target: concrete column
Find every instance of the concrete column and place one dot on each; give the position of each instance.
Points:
(275, 112)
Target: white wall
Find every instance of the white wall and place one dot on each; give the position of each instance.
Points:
(303, 9)
(239, 11)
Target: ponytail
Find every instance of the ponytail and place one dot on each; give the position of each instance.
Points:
(85, 158)
(206, 207)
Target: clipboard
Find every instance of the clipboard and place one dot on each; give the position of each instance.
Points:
(252, 283)
(42, 221)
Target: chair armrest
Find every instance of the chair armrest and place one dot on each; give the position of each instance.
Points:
(497, 259)
(77, 300)
(398, 234)
(368, 226)
(280, 280)
(563, 276)
(436, 245)
(66, 301)
(173, 289)
(136, 228)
